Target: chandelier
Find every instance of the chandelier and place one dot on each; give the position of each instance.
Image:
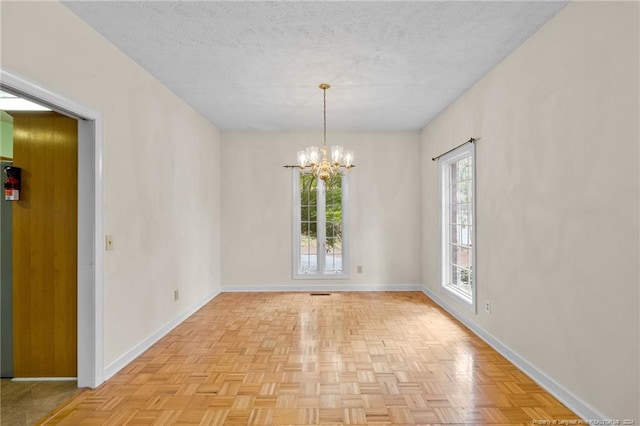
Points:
(316, 160)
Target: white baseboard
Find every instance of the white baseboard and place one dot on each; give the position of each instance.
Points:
(117, 365)
(313, 286)
(575, 404)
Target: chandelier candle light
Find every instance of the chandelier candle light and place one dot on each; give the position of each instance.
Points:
(310, 161)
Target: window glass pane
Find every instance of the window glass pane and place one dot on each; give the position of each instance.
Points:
(333, 262)
(455, 234)
(453, 193)
(307, 197)
(463, 259)
(465, 235)
(455, 254)
(463, 214)
(467, 171)
(464, 281)
(463, 192)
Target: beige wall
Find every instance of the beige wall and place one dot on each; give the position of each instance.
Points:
(558, 193)
(161, 170)
(384, 205)
(557, 200)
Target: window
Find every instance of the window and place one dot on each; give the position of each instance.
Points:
(457, 189)
(319, 228)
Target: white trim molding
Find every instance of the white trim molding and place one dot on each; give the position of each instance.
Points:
(575, 404)
(122, 361)
(90, 221)
(309, 286)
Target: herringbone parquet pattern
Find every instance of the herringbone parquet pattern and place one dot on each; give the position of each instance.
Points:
(293, 358)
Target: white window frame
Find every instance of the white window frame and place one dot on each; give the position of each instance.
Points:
(321, 274)
(444, 164)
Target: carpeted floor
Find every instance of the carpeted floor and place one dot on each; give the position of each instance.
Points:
(24, 403)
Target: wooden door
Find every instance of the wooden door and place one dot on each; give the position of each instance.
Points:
(45, 246)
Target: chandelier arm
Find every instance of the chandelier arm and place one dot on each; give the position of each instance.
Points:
(306, 168)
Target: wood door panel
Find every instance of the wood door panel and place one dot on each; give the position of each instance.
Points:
(45, 246)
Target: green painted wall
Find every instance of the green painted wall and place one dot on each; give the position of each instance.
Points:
(6, 135)
(6, 299)
(6, 285)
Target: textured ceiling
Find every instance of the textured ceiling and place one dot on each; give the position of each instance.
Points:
(256, 65)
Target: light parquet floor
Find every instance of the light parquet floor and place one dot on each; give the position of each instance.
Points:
(293, 358)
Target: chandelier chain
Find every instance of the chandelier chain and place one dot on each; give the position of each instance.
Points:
(324, 91)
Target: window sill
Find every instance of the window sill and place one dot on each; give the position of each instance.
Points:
(464, 299)
(341, 276)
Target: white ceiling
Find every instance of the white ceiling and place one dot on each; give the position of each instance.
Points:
(256, 65)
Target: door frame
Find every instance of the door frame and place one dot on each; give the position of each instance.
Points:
(90, 281)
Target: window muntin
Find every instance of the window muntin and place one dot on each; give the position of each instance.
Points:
(319, 243)
(457, 174)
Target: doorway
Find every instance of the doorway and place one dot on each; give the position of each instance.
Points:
(90, 366)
